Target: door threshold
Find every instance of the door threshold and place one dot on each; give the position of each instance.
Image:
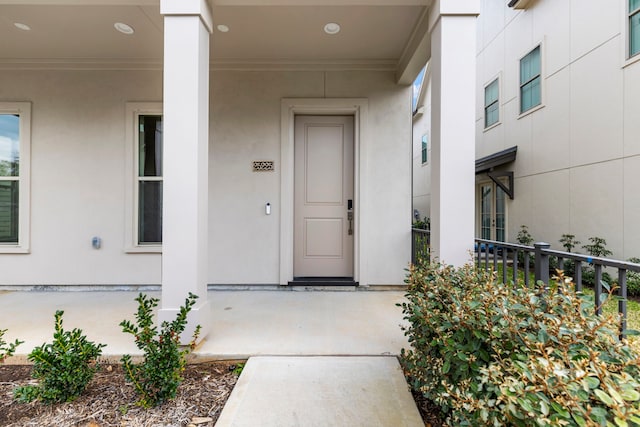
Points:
(323, 281)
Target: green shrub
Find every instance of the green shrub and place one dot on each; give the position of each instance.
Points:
(491, 354)
(423, 224)
(63, 368)
(569, 242)
(633, 280)
(157, 378)
(597, 248)
(524, 238)
(7, 349)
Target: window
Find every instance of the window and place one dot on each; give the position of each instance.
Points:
(150, 179)
(424, 149)
(530, 89)
(634, 27)
(144, 210)
(15, 143)
(491, 105)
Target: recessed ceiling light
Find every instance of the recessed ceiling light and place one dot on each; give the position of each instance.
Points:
(21, 26)
(123, 28)
(332, 28)
(223, 28)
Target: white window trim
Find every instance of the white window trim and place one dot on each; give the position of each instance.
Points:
(24, 197)
(484, 108)
(626, 47)
(133, 111)
(542, 80)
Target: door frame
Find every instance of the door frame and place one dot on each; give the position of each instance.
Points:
(290, 107)
(494, 189)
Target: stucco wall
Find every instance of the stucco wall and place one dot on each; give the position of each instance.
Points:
(245, 126)
(578, 156)
(78, 177)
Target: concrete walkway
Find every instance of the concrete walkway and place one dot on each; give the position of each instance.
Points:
(321, 391)
(354, 383)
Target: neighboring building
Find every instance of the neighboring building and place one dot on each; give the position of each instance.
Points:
(187, 143)
(422, 146)
(560, 81)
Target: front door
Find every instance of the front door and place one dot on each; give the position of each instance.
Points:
(492, 212)
(323, 196)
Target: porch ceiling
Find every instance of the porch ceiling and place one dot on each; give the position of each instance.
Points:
(264, 34)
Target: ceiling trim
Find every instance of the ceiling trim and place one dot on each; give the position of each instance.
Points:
(81, 2)
(282, 65)
(321, 2)
(78, 64)
(217, 65)
(223, 2)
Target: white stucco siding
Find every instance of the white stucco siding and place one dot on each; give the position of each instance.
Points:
(245, 126)
(574, 168)
(78, 173)
(77, 177)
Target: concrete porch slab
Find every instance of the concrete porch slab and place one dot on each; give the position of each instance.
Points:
(243, 323)
(321, 391)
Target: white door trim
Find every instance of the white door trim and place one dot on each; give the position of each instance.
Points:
(359, 108)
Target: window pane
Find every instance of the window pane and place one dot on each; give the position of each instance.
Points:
(633, 5)
(491, 115)
(634, 33)
(9, 211)
(9, 145)
(150, 146)
(530, 95)
(491, 93)
(530, 66)
(150, 212)
(500, 215)
(424, 149)
(485, 212)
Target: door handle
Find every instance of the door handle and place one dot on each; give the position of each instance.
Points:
(350, 216)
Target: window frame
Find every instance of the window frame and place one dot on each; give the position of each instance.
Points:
(133, 111)
(631, 56)
(495, 80)
(540, 105)
(23, 110)
(424, 149)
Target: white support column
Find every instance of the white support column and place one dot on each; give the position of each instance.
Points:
(453, 74)
(187, 28)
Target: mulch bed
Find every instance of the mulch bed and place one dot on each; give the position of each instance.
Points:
(109, 401)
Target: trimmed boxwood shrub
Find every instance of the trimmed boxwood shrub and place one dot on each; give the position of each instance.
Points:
(491, 354)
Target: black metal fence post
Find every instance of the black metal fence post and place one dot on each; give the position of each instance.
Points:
(541, 270)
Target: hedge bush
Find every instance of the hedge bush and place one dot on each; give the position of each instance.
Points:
(63, 367)
(495, 354)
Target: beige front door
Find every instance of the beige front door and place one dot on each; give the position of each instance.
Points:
(323, 197)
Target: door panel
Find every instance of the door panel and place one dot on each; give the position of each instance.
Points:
(323, 237)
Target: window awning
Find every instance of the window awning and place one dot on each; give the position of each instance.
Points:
(488, 163)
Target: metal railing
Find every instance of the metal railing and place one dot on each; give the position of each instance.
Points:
(420, 243)
(490, 253)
